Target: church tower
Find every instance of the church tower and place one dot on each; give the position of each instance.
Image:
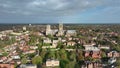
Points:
(24, 28)
(60, 27)
(60, 31)
(48, 29)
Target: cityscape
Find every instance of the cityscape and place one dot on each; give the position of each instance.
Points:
(59, 33)
(60, 46)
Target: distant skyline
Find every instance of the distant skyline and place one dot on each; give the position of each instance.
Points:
(55, 11)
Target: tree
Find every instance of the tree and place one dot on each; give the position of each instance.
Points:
(50, 36)
(103, 54)
(60, 44)
(63, 63)
(72, 56)
(89, 58)
(33, 40)
(70, 64)
(37, 60)
(43, 53)
(63, 54)
(50, 55)
(24, 60)
(57, 56)
(80, 56)
(118, 63)
(5, 54)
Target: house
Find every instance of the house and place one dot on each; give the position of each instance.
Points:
(71, 33)
(93, 54)
(104, 47)
(113, 54)
(3, 58)
(112, 60)
(6, 65)
(28, 66)
(16, 57)
(51, 62)
(55, 42)
(91, 44)
(69, 38)
(34, 47)
(47, 40)
(71, 43)
(29, 52)
(91, 48)
(89, 64)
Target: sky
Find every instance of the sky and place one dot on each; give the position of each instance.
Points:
(57, 11)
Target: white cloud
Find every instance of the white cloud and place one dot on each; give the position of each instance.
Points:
(51, 8)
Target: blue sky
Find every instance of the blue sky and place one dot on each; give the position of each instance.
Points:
(55, 11)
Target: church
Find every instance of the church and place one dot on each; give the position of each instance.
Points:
(60, 31)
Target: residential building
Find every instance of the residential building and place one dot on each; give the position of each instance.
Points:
(6, 65)
(93, 54)
(89, 64)
(112, 60)
(91, 48)
(113, 54)
(71, 33)
(71, 43)
(52, 63)
(28, 66)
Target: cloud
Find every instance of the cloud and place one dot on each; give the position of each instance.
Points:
(50, 8)
(54, 7)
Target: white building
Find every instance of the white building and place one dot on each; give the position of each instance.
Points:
(52, 63)
(112, 60)
(91, 48)
(15, 57)
(47, 40)
(28, 66)
(71, 43)
(24, 28)
(48, 30)
(71, 33)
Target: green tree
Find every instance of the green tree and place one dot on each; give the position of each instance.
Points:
(5, 54)
(63, 54)
(50, 54)
(57, 56)
(43, 53)
(118, 63)
(80, 56)
(33, 40)
(50, 36)
(63, 63)
(24, 60)
(37, 60)
(72, 56)
(60, 45)
(89, 58)
(103, 54)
